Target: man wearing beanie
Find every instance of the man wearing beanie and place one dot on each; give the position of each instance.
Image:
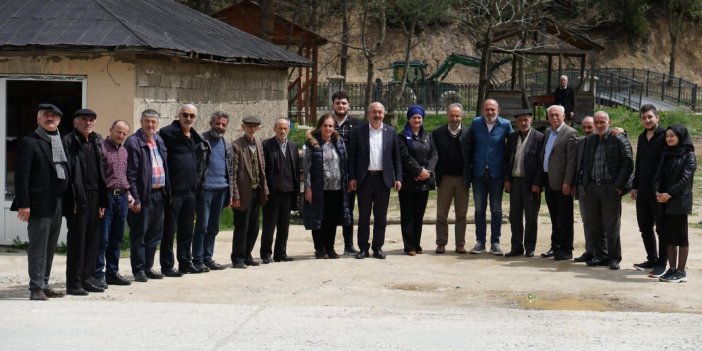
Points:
(85, 204)
(41, 166)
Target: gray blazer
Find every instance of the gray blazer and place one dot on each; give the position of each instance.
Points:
(561, 161)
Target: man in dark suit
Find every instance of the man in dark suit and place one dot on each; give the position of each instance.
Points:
(588, 125)
(557, 168)
(565, 96)
(41, 179)
(283, 179)
(250, 191)
(344, 125)
(188, 157)
(374, 168)
(520, 171)
(607, 165)
(86, 206)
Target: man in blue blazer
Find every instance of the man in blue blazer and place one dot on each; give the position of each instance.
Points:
(374, 168)
(488, 136)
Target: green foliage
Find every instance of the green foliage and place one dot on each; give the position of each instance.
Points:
(226, 221)
(19, 244)
(61, 248)
(431, 122)
(629, 120)
(626, 17)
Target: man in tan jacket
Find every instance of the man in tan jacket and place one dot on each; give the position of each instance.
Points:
(558, 171)
(250, 191)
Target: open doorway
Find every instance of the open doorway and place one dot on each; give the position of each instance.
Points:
(19, 97)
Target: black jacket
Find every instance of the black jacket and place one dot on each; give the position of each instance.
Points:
(417, 155)
(531, 157)
(313, 213)
(620, 161)
(674, 176)
(441, 137)
(187, 160)
(76, 199)
(271, 153)
(648, 156)
(359, 155)
(36, 183)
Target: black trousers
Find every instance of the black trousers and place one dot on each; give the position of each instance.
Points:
(604, 212)
(373, 196)
(348, 229)
(648, 214)
(412, 207)
(83, 238)
(324, 237)
(179, 217)
(523, 215)
(245, 230)
(276, 214)
(560, 208)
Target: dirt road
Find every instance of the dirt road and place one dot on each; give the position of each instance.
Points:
(424, 302)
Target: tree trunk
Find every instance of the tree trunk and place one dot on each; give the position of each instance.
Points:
(391, 117)
(344, 55)
(483, 81)
(369, 83)
(266, 18)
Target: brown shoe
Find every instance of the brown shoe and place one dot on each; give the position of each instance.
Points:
(38, 295)
(412, 253)
(461, 249)
(440, 249)
(52, 294)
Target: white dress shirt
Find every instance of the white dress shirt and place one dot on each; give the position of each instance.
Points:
(376, 148)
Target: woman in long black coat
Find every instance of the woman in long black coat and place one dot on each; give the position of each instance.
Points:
(419, 157)
(326, 199)
(673, 184)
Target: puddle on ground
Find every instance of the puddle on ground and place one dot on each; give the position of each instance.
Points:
(420, 287)
(562, 304)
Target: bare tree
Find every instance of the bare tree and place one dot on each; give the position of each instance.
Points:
(372, 38)
(412, 15)
(680, 12)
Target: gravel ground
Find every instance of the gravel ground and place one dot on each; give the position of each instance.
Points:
(436, 302)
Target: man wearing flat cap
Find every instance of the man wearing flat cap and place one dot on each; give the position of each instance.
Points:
(41, 179)
(520, 168)
(249, 191)
(84, 205)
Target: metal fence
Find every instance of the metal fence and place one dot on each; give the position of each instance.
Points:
(623, 86)
(433, 96)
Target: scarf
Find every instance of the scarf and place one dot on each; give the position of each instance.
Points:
(57, 152)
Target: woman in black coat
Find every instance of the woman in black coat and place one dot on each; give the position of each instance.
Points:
(326, 199)
(673, 184)
(419, 157)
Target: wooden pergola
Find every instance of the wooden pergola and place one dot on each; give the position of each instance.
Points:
(302, 90)
(579, 47)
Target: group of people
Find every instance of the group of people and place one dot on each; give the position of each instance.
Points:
(172, 185)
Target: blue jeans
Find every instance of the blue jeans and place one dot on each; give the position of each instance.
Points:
(111, 234)
(208, 209)
(482, 187)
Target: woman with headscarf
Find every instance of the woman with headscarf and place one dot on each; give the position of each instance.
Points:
(673, 184)
(419, 157)
(326, 199)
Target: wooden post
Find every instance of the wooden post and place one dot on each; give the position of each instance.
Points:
(548, 74)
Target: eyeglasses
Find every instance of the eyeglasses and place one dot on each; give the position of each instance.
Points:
(188, 115)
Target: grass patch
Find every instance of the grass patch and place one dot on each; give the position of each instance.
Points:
(629, 120)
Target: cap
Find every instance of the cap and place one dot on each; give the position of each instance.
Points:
(85, 112)
(522, 112)
(50, 107)
(251, 120)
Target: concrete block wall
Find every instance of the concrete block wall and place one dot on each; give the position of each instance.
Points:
(238, 90)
